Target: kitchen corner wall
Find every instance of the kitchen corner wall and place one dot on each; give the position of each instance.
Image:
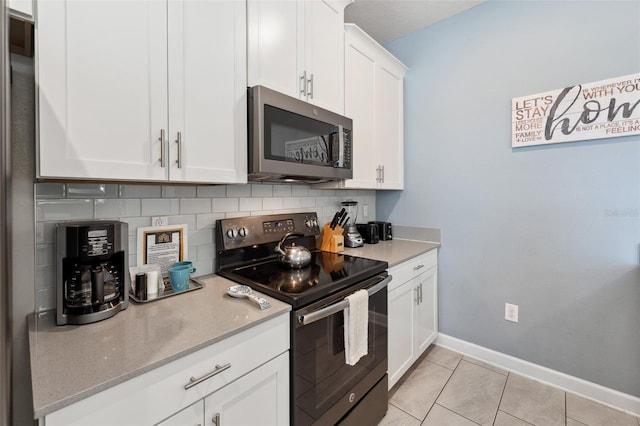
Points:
(554, 229)
(196, 206)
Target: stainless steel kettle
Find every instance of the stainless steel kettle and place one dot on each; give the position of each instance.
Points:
(293, 256)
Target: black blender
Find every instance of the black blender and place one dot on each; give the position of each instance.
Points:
(352, 237)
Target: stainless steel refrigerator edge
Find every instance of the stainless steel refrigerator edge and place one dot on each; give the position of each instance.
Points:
(19, 223)
(5, 330)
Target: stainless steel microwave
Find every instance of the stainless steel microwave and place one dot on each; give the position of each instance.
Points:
(292, 140)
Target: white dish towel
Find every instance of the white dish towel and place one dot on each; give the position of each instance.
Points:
(356, 320)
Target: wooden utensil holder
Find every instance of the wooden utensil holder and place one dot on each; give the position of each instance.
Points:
(332, 239)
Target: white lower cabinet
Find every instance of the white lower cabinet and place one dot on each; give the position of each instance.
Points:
(190, 416)
(259, 398)
(413, 312)
(241, 380)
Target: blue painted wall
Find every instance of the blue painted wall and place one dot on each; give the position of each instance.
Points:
(554, 229)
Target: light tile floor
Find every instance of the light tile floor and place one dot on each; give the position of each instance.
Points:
(445, 388)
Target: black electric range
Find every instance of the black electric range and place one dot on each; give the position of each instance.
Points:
(324, 389)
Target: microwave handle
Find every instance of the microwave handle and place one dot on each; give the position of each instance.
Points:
(341, 146)
(339, 306)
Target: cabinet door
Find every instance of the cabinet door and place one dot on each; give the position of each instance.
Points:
(258, 398)
(324, 53)
(389, 135)
(360, 72)
(102, 89)
(207, 91)
(402, 302)
(21, 8)
(190, 416)
(426, 316)
(275, 58)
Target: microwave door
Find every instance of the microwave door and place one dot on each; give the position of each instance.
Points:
(337, 147)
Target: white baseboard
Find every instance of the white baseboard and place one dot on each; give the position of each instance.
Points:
(601, 394)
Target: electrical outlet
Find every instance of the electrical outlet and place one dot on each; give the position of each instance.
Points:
(365, 210)
(511, 312)
(160, 220)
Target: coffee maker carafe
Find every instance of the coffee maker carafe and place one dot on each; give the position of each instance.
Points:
(92, 278)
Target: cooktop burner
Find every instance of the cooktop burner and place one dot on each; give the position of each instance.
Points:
(328, 273)
(246, 255)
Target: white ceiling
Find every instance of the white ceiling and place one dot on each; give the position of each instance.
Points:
(387, 20)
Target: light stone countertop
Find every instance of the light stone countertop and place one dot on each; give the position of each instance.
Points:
(72, 362)
(392, 251)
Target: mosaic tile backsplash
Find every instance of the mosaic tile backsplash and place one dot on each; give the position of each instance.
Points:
(196, 206)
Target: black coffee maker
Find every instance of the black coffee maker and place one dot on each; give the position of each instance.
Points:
(92, 278)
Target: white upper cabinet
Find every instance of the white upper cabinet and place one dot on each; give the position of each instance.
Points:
(207, 91)
(296, 47)
(374, 86)
(102, 96)
(22, 9)
(150, 90)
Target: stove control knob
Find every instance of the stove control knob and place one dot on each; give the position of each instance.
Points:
(232, 233)
(243, 232)
(311, 223)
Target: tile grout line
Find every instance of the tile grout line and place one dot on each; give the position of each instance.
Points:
(495, 416)
(444, 386)
(456, 413)
(408, 414)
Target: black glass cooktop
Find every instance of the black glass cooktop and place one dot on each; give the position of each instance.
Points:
(328, 273)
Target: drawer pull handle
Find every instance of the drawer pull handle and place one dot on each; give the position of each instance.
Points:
(216, 419)
(415, 268)
(219, 369)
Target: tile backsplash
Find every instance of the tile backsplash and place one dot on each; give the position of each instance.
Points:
(196, 206)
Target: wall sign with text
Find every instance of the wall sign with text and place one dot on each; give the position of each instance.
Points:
(598, 110)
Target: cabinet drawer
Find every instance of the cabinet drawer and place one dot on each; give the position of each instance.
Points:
(413, 267)
(157, 394)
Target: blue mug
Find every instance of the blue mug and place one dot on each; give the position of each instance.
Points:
(179, 277)
(184, 263)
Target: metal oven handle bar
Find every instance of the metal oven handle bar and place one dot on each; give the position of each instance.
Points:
(339, 306)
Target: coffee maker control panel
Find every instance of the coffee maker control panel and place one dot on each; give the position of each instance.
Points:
(98, 243)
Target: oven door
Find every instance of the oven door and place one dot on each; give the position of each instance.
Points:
(324, 387)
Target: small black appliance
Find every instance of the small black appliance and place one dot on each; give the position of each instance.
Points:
(369, 232)
(384, 230)
(92, 278)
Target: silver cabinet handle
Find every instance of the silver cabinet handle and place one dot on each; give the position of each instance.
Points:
(420, 292)
(303, 84)
(216, 419)
(382, 174)
(162, 157)
(179, 142)
(310, 81)
(415, 268)
(219, 369)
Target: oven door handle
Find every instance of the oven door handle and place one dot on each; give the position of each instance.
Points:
(339, 306)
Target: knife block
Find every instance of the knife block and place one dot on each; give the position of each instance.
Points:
(332, 239)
